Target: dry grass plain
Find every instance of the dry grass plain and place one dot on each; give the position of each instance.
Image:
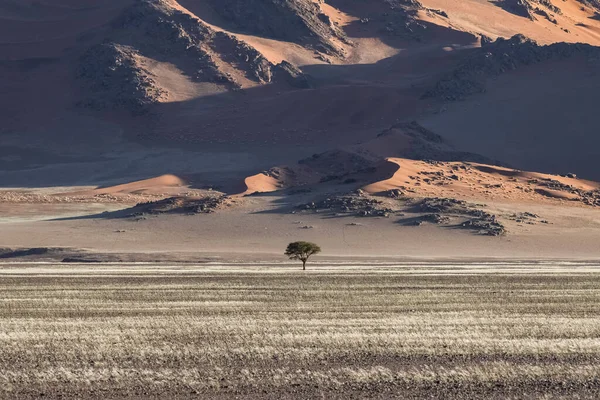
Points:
(203, 332)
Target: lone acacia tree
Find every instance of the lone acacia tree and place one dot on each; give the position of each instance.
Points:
(302, 251)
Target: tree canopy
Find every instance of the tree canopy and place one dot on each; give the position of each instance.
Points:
(302, 251)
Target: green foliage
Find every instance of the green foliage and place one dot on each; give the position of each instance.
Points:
(302, 251)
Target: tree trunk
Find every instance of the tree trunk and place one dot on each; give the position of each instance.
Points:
(303, 265)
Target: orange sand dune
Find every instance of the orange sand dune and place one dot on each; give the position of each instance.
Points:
(158, 185)
(478, 181)
(261, 183)
(575, 23)
(277, 178)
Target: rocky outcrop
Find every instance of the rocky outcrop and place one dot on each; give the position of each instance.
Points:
(116, 79)
(522, 8)
(300, 21)
(242, 56)
(286, 72)
(595, 4)
(402, 21)
(478, 220)
(550, 187)
(156, 30)
(352, 205)
(161, 31)
(528, 8)
(498, 57)
(177, 205)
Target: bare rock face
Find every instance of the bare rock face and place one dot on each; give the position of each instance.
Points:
(401, 19)
(496, 58)
(410, 3)
(159, 30)
(156, 30)
(528, 8)
(284, 71)
(113, 74)
(522, 8)
(595, 4)
(298, 21)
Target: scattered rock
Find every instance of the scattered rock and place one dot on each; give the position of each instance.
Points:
(394, 194)
(178, 205)
(479, 220)
(525, 217)
(443, 205)
(488, 227)
(431, 218)
(354, 204)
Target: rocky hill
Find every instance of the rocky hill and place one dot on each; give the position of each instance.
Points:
(228, 88)
(158, 30)
(504, 55)
(299, 21)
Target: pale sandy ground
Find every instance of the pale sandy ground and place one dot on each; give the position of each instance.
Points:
(249, 230)
(526, 119)
(319, 266)
(564, 226)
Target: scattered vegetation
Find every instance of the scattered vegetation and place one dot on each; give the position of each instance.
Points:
(269, 334)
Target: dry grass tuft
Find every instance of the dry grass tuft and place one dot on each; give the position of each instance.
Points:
(323, 335)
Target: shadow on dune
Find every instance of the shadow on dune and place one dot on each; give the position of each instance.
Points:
(270, 124)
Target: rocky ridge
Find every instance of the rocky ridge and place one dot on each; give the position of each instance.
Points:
(178, 205)
(595, 4)
(496, 58)
(117, 78)
(300, 21)
(530, 8)
(441, 209)
(353, 204)
(157, 30)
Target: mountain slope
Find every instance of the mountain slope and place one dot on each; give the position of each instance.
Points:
(273, 82)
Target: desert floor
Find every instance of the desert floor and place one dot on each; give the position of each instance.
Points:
(259, 228)
(345, 329)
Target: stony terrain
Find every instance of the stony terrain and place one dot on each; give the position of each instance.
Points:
(177, 205)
